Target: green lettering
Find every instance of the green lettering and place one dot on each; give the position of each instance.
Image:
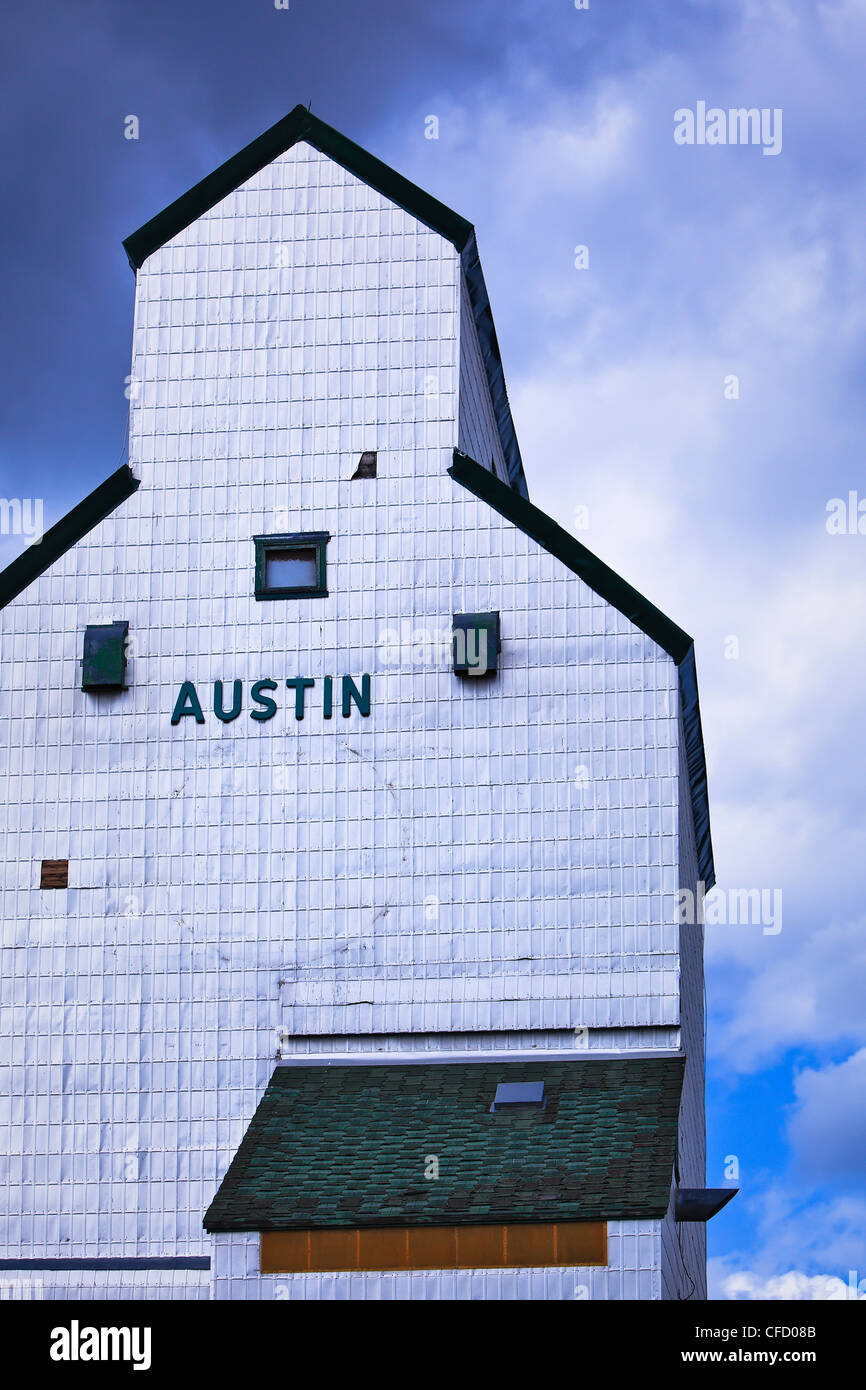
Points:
(237, 693)
(300, 684)
(350, 693)
(269, 706)
(187, 693)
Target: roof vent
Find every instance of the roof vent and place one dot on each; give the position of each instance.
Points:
(518, 1095)
(477, 643)
(366, 465)
(104, 664)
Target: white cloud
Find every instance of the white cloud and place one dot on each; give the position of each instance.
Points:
(743, 1284)
(795, 1231)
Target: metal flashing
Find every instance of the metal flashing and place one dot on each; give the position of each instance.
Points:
(518, 1095)
(444, 1059)
(549, 534)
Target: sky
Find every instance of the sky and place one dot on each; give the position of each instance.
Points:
(687, 394)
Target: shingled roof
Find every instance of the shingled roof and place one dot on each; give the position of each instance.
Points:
(347, 1145)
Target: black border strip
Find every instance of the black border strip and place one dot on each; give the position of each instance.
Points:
(617, 591)
(121, 1262)
(65, 533)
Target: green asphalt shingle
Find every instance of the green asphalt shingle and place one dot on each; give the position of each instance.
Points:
(348, 1145)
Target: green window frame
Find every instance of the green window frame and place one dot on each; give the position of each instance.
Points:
(311, 545)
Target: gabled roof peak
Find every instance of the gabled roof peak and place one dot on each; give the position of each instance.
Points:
(300, 124)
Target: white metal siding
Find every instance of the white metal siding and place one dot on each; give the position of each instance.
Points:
(475, 859)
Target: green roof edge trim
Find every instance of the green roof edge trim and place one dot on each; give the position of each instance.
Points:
(301, 124)
(621, 595)
(599, 576)
(66, 532)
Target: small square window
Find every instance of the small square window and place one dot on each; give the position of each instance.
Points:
(292, 566)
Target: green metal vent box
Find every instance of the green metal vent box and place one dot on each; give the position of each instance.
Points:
(476, 643)
(104, 665)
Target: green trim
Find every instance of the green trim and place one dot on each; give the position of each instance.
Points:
(298, 540)
(346, 1146)
(64, 534)
(626, 600)
(301, 124)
